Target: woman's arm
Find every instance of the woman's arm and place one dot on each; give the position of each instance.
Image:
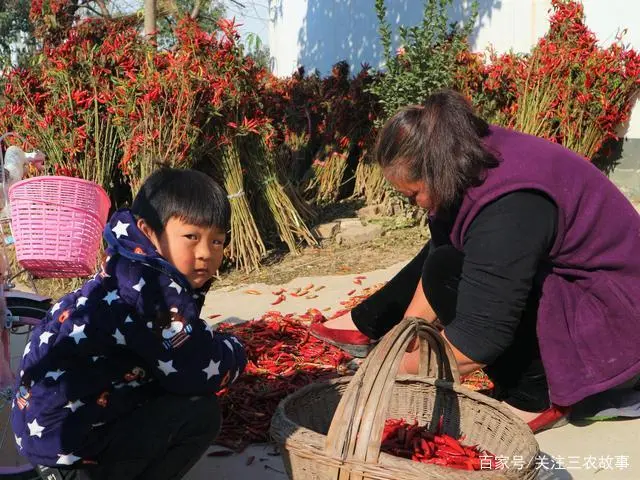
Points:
(419, 306)
(503, 249)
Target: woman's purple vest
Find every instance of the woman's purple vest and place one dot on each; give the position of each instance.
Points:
(589, 313)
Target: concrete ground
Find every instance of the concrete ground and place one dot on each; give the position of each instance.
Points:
(604, 450)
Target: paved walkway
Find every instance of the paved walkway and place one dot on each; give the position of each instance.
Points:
(606, 450)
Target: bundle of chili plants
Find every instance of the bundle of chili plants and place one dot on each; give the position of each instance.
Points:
(370, 182)
(285, 161)
(420, 444)
(282, 357)
(328, 173)
(156, 116)
(61, 103)
(569, 89)
(246, 247)
(289, 223)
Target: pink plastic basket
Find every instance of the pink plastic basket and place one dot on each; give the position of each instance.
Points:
(57, 225)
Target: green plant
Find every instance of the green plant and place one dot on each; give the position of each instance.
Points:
(425, 61)
(258, 51)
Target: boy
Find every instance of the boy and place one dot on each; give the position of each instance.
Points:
(119, 381)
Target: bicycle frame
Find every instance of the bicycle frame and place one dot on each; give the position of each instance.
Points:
(7, 276)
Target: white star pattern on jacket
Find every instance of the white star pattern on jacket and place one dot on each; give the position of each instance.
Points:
(119, 337)
(54, 374)
(141, 291)
(111, 297)
(166, 367)
(138, 286)
(120, 229)
(27, 349)
(78, 333)
(178, 288)
(35, 430)
(212, 369)
(55, 308)
(45, 336)
(73, 406)
(67, 459)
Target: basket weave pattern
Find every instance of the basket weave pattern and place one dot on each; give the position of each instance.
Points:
(332, 430)
(57, 225)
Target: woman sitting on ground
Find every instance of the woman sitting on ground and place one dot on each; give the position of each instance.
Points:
(533, 267)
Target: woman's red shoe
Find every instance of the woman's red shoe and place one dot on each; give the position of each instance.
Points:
(552, 417)
(353, 342)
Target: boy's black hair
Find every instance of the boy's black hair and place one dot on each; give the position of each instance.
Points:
(190, 195)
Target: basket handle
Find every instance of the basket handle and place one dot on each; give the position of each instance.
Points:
(356, 429)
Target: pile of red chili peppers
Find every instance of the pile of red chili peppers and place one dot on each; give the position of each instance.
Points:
(419, 444)
(282, 358)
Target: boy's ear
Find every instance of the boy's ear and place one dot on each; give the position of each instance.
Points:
(146, 230)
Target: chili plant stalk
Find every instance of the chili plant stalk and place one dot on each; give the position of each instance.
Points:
(246, 247)
(262, 168)
(370, 182)
(328, 176)
(306, 211)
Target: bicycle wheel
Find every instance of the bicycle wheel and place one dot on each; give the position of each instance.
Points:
(26, 313)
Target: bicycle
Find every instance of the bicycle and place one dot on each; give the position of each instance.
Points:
(20, 312)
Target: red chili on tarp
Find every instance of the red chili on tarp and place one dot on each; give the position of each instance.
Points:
(282, 358)
(417, 443)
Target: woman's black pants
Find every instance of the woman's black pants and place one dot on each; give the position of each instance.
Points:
(518, 373)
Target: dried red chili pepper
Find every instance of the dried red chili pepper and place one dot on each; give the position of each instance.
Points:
(281, 358)
(417, 443)
(280, 299)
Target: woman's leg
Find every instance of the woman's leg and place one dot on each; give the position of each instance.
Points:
(518, 373)
(161, 440)
(383, 310)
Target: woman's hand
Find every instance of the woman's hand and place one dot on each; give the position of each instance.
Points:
(411, 361)
(420, 307)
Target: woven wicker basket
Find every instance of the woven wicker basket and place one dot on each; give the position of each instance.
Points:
(332, 430)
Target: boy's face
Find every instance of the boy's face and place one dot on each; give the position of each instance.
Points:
(195, 251)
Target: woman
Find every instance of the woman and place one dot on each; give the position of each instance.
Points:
(533, 267)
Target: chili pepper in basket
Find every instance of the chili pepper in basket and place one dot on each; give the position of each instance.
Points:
(415, 442)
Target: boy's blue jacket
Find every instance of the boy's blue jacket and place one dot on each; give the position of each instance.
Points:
(126, 336)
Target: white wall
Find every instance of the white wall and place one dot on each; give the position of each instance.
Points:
(318, 33)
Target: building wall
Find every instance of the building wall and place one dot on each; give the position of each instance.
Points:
(318, 33)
